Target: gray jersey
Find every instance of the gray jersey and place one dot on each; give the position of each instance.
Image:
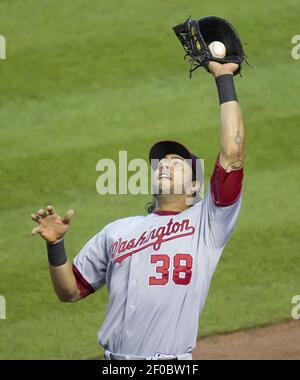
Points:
(157, 269)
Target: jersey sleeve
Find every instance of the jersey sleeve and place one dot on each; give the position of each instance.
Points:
(221, 205)
(89, 266)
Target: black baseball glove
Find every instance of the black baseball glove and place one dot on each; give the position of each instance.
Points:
(196, 35)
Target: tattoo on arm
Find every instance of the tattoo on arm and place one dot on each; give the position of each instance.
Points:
(235, 165)
(238, 163)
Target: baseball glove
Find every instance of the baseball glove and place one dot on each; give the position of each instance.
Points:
(196, 35)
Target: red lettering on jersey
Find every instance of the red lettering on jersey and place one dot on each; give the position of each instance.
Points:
(163, 270)
(186, 269)
(142, 239)
(131, 244)
(179, 268)
(155, 238)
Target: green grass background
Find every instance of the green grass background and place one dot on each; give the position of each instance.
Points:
(84, 79)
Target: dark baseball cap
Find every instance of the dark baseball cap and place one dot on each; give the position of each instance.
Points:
(160, 149)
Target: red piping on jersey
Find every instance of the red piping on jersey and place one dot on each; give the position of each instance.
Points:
(84, 287)
(161, 213)
(225, 187)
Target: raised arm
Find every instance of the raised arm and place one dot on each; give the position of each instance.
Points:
(232, 126)
(52, 229)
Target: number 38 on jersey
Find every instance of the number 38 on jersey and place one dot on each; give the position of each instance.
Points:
(179, 270)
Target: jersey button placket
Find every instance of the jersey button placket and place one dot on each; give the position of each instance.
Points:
(132, 308)
(131, 296)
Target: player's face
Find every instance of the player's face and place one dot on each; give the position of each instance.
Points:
(173, 175)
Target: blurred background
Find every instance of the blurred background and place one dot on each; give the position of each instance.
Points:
(85, 79)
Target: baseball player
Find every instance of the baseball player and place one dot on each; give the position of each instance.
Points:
(158, 267)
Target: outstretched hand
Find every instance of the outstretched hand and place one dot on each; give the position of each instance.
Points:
(50, 225)
(218, 69)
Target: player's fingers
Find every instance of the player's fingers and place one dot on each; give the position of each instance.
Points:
(35, 231)
(42, 213)
(35, 217)
(51, 210)
(68, 216)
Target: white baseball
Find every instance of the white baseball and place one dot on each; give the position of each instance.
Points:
(217, 49)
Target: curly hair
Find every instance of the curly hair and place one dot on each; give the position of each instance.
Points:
(150, 206)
